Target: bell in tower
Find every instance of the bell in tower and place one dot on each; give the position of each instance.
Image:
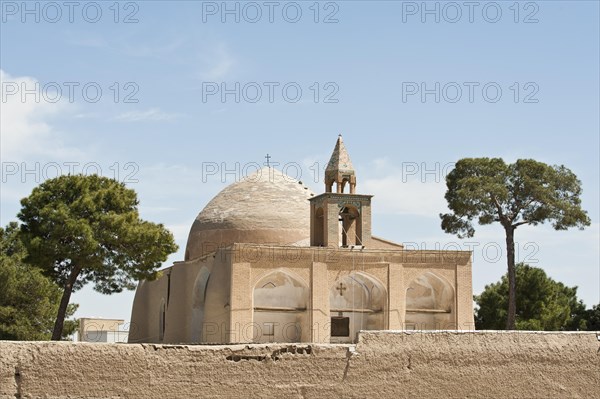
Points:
(340, 219)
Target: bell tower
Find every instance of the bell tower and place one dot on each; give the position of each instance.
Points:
(340, 219)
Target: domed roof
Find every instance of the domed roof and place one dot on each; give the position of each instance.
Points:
(267, 207)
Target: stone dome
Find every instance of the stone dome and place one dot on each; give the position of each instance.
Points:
(267, 207)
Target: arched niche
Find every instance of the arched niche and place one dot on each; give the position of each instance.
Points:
(357, 302)
(351, 226)
(429, 303)
(162, 320)
(198, 302)
(280, 301)
(319, 226)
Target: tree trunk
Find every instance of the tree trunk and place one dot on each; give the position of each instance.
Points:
(512, 281)
(64, 303)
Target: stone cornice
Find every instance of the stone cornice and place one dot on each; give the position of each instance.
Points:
(338, 196)
(254, 252)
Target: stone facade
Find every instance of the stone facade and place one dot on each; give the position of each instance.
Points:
(268, 261)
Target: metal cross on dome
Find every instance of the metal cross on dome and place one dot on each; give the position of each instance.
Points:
(268, 164)
(341, 289)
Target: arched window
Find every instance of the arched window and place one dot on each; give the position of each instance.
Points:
(357, 303)
(345, 181)
(280, 303)
(429, 303)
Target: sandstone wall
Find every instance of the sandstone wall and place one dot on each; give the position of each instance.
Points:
(381, 365)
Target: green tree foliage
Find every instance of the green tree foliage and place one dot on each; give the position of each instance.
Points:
(586, 320)
(542, 303)
(28, 300)
(526, 192)
(86, 229)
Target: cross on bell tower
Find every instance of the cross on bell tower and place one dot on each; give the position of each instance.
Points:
(340, 219)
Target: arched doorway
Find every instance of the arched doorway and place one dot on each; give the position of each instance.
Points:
(280, 303)
(429, 304)
(357, 303)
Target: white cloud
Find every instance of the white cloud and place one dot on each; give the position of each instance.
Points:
(152, 114)
(25, 128)
(411, 197)
(87, 115)
(164, 50)
(216, 63)
(381, 164)
(180, 232)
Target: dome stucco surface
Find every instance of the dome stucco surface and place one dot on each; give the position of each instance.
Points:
(267, 207)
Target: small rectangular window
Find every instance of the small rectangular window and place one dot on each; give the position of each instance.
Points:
(269, 329)
(340, 326)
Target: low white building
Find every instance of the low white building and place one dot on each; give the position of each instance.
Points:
(101, 330)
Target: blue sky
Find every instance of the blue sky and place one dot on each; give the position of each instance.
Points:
(157, 123)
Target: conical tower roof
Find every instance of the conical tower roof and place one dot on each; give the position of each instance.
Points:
(340, 160)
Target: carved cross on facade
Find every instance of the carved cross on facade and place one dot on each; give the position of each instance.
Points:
(268, 164)
(341, 288)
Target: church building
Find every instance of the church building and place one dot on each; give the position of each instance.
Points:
(267, 260)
